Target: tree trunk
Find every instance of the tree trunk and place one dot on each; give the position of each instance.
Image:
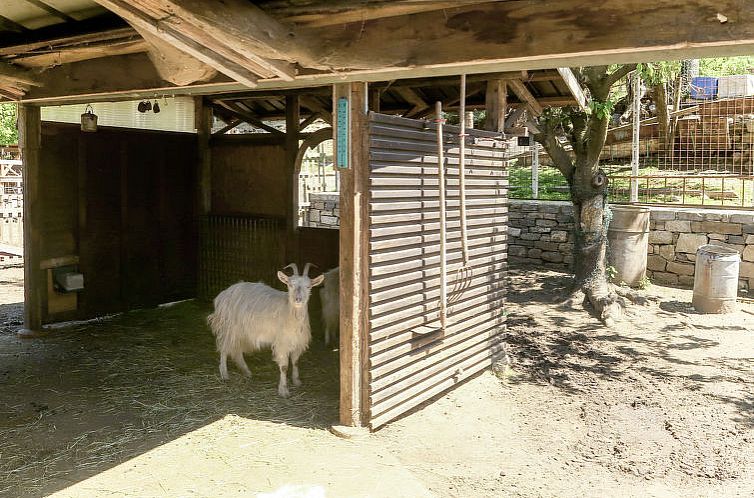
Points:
(589, 198)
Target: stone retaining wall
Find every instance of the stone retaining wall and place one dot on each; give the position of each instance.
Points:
(323, 210)
(541, 234)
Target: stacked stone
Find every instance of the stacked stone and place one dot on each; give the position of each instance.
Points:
(540, 233)
(324, 210)
(675, 236)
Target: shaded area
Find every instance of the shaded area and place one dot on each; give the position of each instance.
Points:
(90, 396)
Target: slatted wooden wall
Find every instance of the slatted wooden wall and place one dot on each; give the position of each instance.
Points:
(410, 360)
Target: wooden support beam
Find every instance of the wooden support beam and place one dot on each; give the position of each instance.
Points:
(309, 120)
(68, 55)
(496, 102)
(30, 142)
(234, 36)
(225, 129)
(413, 98)
(574, 87)
(314, 105)
(247, 116)
(354, 257)
(15, 74)
(203, 124)
(512, 120)
(375, 99)
(292, 120)
(524, 95)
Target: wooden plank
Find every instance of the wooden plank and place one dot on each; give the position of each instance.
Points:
(18, 75)
(203, 124)
(292, 120)
(30, 143)
(573, 86)
(354, 269)
(525, 95)
(246, 116)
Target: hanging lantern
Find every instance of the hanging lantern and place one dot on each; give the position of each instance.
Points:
(89, 120)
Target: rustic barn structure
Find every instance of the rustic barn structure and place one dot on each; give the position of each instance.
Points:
(149, 217)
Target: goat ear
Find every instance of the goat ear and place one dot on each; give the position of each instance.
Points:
(283, 277)
(318, 280)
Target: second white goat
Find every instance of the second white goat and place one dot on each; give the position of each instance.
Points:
(253, 316)
(330, 297)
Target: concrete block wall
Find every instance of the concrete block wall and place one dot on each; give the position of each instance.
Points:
(323, 210)
(540, 233)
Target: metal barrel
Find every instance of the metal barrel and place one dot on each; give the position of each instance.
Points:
(628, 237)
(715, 279)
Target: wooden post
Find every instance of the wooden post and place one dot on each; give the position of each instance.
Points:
(292, 121)
(496, 104)
(203, 124)
(30, 141)
(354, 270)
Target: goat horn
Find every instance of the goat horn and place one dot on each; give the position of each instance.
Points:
(306, 268)
(295, 268)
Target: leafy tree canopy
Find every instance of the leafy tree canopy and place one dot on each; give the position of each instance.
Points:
(8, 130)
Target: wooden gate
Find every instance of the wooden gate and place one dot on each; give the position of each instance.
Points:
(410, 357)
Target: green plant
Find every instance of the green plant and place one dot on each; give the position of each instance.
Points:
(644, 283)
(8, 130)
(611, 273)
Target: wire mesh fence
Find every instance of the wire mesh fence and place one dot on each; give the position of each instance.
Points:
(691, 143)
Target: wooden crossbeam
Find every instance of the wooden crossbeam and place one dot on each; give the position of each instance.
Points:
(309, 120)
(314, 105)
(524, 95)
(413, 98)
(78, 53)
(247, 116)
(235, 37)
(15, 74)
(225, 129)
(574, 87)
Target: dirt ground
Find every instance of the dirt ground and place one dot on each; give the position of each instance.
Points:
(661, 405)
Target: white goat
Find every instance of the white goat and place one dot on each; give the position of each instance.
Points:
(330, 297)
(251, 316)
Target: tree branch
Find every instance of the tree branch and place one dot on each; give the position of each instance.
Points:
(619, 73)
(561, 159)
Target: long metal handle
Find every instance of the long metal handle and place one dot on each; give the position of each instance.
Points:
(462, 171)
(441, 188)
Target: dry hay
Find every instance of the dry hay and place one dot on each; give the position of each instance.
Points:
(91, 396)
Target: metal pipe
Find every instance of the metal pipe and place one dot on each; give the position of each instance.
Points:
(462, 171)
(535, 170)
(636, 106)
(441, 188)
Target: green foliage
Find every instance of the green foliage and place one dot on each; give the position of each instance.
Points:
(726, 66)
(8, 129)
(611, 273)
(644, 283)
(603, 110)
(659, 72)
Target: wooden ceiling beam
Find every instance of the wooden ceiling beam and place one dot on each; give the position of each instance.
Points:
(77, 53)
(202, 49)
(524, 95)
(224, 34)
(7, 24)
(334, 12)
(13, 73)
(413, 98)
(62, 42)
(574, 87)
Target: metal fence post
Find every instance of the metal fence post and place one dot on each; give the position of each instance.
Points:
(636, 106)
(535, 171)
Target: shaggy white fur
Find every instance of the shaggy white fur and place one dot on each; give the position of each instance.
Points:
(253, 316)
(330, 297)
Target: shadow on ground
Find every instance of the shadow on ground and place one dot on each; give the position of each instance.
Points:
(90, 396)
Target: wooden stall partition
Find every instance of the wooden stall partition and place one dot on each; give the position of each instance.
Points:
(119, 205)
(411, 358)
